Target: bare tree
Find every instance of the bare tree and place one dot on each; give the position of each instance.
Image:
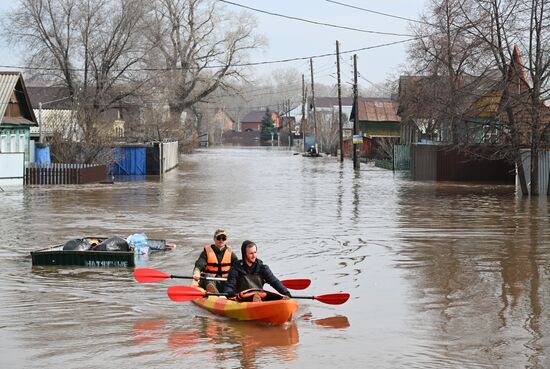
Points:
(199, 48)
(327, 130)
(514, 31)
(92, 47)
(481, 83)
(444, 55)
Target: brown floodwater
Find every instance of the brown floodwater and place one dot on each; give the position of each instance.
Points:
(441, 275)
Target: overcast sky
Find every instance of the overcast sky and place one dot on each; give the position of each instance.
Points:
(290, 38)
(296, 39)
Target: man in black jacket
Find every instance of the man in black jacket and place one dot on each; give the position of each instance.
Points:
(251, 273)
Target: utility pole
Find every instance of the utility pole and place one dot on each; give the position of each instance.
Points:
(289, 125)
(304, 112)
(356, 163)
(341, 129)
(313, 100)
(40, 122)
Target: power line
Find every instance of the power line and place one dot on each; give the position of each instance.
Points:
(377, 12)
(378, 87)
(220, 66)
(314, 22)
(248, 92)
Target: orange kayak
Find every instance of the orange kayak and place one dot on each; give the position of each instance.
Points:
(273, 312)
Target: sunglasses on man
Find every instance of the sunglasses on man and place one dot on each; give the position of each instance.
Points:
(221, 237)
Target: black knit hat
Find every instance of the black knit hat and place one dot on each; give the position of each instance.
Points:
(245, 244)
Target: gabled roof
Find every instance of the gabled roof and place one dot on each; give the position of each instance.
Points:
(52, 120)
(517, 82)
(12, 83)
(255, 116)
(374, 109)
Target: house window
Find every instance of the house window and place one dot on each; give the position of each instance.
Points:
(13, 143)
(22, 143)
(3, 143)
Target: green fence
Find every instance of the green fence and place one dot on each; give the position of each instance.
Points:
(402, 157)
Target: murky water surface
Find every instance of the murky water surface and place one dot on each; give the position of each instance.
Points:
(441, 275)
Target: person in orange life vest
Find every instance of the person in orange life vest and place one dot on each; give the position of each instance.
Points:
(215, 260)
(248, 276)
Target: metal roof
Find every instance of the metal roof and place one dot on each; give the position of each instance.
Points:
(8, 81)
(377, 110)
(8, 84)
(53, 120)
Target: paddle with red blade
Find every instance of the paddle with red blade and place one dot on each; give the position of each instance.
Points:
(187, 293)
(331, 298)
(148, 275)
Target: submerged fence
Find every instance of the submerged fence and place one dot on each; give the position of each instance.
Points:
(64, 174)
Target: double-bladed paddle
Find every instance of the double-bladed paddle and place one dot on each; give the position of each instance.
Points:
(188, 293)
(331, 298)
(148, 275)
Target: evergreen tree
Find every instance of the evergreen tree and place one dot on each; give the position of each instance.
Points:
(267, 126)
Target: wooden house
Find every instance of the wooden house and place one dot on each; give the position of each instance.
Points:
(17, 115)
(489, 114)
(377, 117)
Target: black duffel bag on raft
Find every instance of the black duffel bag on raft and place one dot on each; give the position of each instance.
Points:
(112, 244)
(76, 245)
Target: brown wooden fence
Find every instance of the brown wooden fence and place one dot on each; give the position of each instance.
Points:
(447, 163)
(65, 174)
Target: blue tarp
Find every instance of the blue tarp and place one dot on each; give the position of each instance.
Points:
(42, 155)
(131, 161)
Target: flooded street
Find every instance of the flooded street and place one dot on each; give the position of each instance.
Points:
(440, 275)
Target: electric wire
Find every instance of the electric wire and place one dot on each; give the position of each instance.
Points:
(315, 22)
(221, 66)
(377, 12)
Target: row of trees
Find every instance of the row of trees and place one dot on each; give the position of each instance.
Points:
(486, 63)
(172, 53)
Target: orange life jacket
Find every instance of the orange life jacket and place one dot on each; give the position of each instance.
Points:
(215, 267)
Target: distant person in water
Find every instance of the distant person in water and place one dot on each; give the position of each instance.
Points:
(248, 276)
(215, 260)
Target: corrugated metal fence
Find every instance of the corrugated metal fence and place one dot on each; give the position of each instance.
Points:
(64, 174)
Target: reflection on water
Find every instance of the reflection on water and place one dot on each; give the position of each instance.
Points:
(247, 340)
(440, 274)
(477, 260)
(336, 322)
